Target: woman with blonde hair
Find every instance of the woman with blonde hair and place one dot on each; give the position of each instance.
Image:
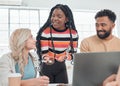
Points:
(20, 60)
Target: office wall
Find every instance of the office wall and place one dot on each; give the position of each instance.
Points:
(76, 4)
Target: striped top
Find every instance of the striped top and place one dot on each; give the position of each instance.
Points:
(58, 41)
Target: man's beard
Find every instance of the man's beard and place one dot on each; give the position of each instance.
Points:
(105, 35)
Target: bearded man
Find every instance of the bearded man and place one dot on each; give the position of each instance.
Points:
(104, 40)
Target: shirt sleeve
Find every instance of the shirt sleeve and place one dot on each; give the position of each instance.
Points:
(6, 67)
(84, 46)
(75, 42)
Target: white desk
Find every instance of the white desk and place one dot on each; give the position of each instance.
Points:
(59, 85)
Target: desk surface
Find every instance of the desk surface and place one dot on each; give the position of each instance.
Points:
(60, 84)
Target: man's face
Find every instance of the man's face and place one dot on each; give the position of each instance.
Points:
(104, 27)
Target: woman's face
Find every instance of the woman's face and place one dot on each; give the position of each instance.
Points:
(30, 43)
(58, 19)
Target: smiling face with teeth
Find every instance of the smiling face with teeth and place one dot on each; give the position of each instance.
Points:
(58, 19)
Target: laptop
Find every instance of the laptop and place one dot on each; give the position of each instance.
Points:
(91, 69)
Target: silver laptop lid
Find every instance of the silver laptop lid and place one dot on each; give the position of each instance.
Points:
(90, 69)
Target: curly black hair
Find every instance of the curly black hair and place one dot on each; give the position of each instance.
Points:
(68, 13)
(106, 12)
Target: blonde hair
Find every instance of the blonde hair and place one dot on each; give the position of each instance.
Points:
(17, 45)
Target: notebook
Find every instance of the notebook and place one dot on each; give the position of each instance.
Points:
(91, 69)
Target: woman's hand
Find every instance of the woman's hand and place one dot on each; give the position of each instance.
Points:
(40, 81)
(61, 58)
(48, 59)
(43, 81)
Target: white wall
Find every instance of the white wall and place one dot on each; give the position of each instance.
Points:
(76, 4)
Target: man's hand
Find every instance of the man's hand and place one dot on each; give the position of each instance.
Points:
(113, 80)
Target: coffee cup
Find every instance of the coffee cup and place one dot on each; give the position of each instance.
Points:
(14, 79)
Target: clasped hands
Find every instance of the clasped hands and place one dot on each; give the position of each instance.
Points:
(59, 57)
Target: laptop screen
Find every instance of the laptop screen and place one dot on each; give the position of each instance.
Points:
(91, 69)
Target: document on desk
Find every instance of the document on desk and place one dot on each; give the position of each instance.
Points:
(52, 84)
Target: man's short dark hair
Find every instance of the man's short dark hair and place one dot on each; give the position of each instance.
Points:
(105, 12)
